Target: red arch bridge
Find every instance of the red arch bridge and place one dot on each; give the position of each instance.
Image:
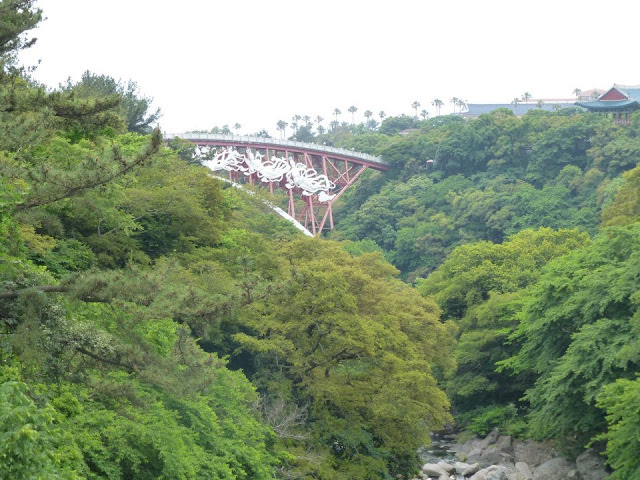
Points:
(314, 176)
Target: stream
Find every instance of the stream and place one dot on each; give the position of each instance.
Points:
(439, 450)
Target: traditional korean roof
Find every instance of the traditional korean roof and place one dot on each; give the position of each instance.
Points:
(617, 98)
(476, 109)
(630, 91)
(610, 105)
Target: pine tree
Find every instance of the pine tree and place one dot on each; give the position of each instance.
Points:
(16, 18)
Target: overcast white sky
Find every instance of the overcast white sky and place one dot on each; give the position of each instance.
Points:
(254, 62)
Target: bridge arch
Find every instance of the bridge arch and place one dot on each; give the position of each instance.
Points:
(314, 176)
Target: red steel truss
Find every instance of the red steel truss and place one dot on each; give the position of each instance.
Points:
(340, 166)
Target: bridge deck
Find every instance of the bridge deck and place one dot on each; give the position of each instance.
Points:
(370, 160)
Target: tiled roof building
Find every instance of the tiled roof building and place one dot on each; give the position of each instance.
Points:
(477, 109)
(619, 100)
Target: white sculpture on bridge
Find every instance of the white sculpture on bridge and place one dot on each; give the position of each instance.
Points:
(274, 169)
(307, 179)
(228, 159)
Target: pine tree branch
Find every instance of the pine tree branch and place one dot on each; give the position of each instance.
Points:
(117, 363)
(124, 168)
(64, 287)
(40, 288)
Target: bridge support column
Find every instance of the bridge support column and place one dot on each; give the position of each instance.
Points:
(292, 205)
(347, 181)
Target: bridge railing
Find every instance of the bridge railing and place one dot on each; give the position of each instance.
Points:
(255, 140)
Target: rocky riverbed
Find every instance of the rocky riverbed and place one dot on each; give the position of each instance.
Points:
(500, 457)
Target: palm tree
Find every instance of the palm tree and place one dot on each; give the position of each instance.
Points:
(368, 114)
(455, 101)
(307, 121)
(515, 103)
(319, 119)
(321, 129)
(336, 112)
(237, 126)
(381, 114)
(577, 92)
(353, 111)
(424, 114)
(281, 126)
(334, 125)
(415, 105)
(539, 104)
(294, 123)
(437, 103)
(526, 96)
(462, 104)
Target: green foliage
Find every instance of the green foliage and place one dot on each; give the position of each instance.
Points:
(578, 333)
(481, 287)
(108, 267)
(564, 144)
(510, 174)
(16, 18)
(143, 433)
(28, 438)
(68, 255)
(359, 347)
(626, 207)
(473, 271)
(621, 401)
(136, 292)
(361, 247)
(133, 107)
(483, 420)
(393, 125)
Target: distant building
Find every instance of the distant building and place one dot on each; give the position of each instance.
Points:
(589, 95)
(476, 109)
(619, 101)
(408, 131)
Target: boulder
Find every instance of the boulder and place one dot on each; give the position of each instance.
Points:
(494, 472)
(461, 467)
(433, 470)
(523, 472)
(447, 467)
(555, 469)
(533, 453)
(499, 452)
(490, 439)
(591, 465)
(474, 455)
(471, 469)
(493, 456)
(462, 449)
(504, 443)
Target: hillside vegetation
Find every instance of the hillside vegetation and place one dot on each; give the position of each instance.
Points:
(525, 231)
(155, 323)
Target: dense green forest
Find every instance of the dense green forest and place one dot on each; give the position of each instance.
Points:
(525, 231)
(155, 323)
